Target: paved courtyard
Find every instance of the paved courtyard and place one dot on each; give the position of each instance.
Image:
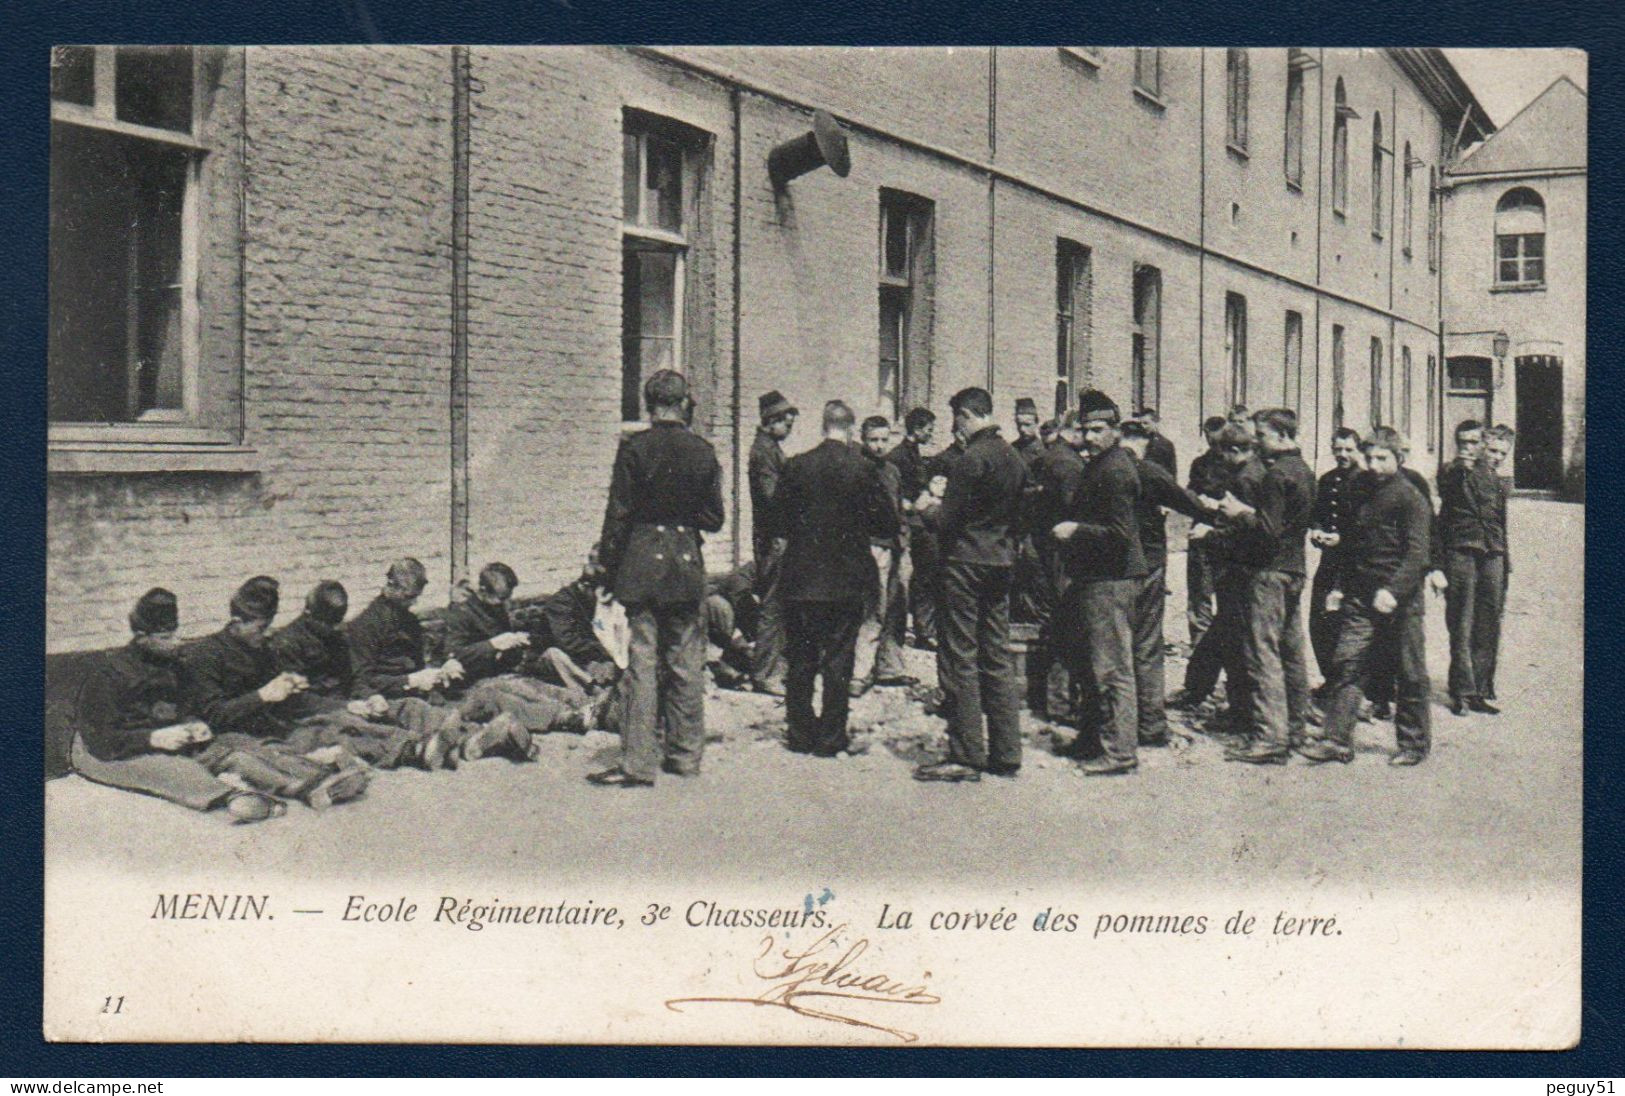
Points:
(1497, 804)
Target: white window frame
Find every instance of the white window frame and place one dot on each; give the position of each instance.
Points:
(158, 425)
(662, 240)
(1151, 94)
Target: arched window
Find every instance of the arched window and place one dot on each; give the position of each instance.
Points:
(1341, 113)
(1520, 238)
(1409, 198)
(1237, 78)
(1293, 161)
(1376, 175)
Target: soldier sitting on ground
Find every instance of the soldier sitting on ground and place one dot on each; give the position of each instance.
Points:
(387, 651)
(314, 646)
(128, 732)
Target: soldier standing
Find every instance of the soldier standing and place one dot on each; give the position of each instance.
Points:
(765, 467)
(1334, 503)
(1472, 530)
(1029, 446)
(833, 503)
(914, 475)
(981, 515)
(665, 492)
(1381, 605)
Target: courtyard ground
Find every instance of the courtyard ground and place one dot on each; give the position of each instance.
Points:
(1497, 804)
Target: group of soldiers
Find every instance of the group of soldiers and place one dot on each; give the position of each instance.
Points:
(860, 548)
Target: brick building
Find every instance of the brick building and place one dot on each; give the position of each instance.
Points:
(315, 308)
(1514, 289)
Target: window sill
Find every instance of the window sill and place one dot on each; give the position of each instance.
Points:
(79, 458)
(1518, 287)
(1407, 253)
(1340, 214)
(1377, 236)
(1294, 185)
(1150, 98)
(1238, 151)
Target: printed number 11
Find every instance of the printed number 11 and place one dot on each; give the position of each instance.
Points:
(113, 1005)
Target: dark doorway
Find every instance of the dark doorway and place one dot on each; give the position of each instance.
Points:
(1469, 394)
(1538, 458)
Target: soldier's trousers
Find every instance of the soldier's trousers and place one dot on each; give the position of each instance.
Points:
(767, 667)
(879, 639)
(1050, 686)
(665, 690)
(822, 638)
(1323, 624)
(1149, 685)
(1219, 649)
(925, 584)
(977, 667)
(538, 706)
(1472, 612)
(1366, 641)
(1272, 651)
(1200, 575)
(1106, 609)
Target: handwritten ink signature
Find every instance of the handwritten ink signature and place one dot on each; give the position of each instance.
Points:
(827, 974)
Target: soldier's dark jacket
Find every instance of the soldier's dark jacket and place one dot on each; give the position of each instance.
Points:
(386, 645)
(1472, 509)
(913, 468)
(1158, 488)
(318, 650)
(891, 480)
(568, 613)
(126, 696)
(470, 624)
(1107, 510)
(1056, 476)
(1281, 491)
(1029, 449)
(765, 466)
(1390, 546)
(1210, 475)
(665, 492)
(834, 502)
(1160, 451)
(1332, 502)
(220, 681)
(981, 513)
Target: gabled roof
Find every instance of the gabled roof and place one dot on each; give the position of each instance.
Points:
(1549, 133)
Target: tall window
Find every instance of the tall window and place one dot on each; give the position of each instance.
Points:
(1146, 368)
(660, 172)
(1433, 219)
(1339, 372)
(1520, 238)
(1148, 71)
(1235, 345)
(906, 276)
(1073, 321)
(1292, 366)
(1236, 81)
(1376, 175)
(124, 235)
(1341, 113)
(1409, 199)
(1293, 160)
(1405, 390)
(1432, 409)
(1376, 382)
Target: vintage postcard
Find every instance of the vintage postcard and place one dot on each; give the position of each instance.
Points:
(1070, 546)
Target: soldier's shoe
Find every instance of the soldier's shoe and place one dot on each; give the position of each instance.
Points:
(1478, 704)
(1156, 742)
(1320, 751)
(439, 750)
(618, 778)
(1382, 710)
(900, 681)
(1106, 766)
(1009, 772)
(1259, 753)
(769, 688)
(947, 772)
(519, 744)
(246, 807)
(1184, 701)
(493, 739)
(676, 769)
(1406, 758)
(338, 788)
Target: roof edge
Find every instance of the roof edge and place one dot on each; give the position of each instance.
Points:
(1431, 71)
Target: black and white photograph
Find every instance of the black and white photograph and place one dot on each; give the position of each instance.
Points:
(1056, 546)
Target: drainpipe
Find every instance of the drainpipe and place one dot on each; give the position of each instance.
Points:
(459, 312)
(738, 364)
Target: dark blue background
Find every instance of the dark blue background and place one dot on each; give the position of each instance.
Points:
(1595, 25)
